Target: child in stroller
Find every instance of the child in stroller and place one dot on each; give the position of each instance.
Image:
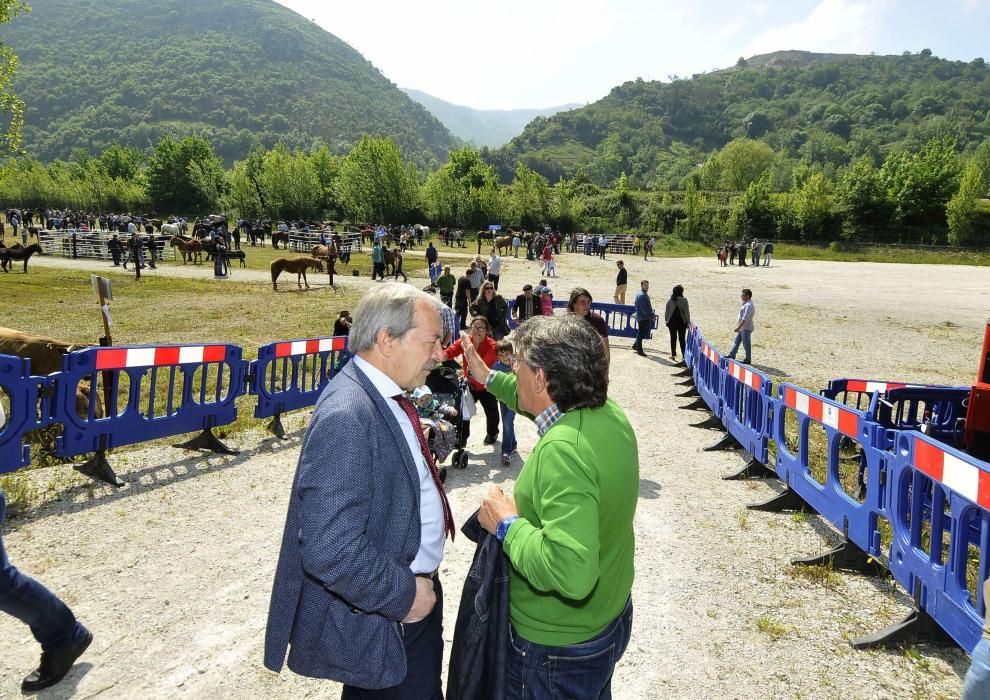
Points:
(446, 393)
(436, 418)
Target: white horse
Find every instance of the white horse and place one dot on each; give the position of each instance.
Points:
(170, 230)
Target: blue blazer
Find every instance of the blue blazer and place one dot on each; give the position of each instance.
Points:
(343, 582)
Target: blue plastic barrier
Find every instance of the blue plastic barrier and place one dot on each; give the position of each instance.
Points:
(22, 396)
(290, 375)
(940, 499)
(691, 345)
(708, 376)
(857, 520)
(620, 319)
(198, 391)
(746, 407)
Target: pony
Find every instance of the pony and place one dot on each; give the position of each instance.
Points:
(388, 261)
(503, 242)
(282, 236)
(190, 250)
(16, 252)
(170, 229)
(297, 265)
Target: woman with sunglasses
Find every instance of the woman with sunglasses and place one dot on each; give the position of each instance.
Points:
(493, 307)
(480, 337)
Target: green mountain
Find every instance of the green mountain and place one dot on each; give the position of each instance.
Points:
(238, 72)
(818, 108)
(482, 127)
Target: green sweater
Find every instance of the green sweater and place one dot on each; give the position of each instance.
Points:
(572, 548)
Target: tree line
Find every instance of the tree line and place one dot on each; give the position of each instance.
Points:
(934, 195)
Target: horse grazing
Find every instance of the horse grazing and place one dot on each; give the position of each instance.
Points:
(190, 250)
(16, 252)
(297, 265)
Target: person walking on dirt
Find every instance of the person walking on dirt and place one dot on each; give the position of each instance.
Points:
(644, 316)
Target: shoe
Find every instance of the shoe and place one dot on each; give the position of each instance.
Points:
(641, 353)
(673, 358)
(747, 361)
(55, 665)
(505, 460)
(489, 441)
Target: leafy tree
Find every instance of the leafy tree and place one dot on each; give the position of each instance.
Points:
(757, 124)
(863, 199)
(529, 197)
(742, 162)
(814, 206)
(464, 192)
(11, 106)
(920, 184)
(175, 184)
(121, 161)
(962, 211)
(376, 184)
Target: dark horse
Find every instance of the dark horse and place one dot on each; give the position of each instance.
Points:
(18, 253)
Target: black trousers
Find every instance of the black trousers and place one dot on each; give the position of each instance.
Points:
(490, 405)
(677, 333)
(424, 656)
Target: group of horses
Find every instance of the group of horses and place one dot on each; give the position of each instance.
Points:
(193, 250)
(17, 252)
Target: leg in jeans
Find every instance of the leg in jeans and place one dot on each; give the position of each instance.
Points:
(508, 430)
(735, 345)
(642, 330)
(977, 682)
(50, 620)
(584, 670)
(424, 657)
(747, 339)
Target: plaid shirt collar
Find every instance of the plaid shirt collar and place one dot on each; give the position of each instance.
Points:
(545, 420)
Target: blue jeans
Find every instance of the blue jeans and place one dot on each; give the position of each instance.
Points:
(508, 429)
(50, 620)
(642, 330)
(579, 671)
(977, 683)
(744, 337)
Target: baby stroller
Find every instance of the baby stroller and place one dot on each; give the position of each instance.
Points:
(449, 388)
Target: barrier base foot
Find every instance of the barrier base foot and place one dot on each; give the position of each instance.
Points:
(917, 627)
(276, 428)
(690, 392)
(753, 469)
(786, 500)
(695, 405)
(206, 440)
(710, 422)
(846, 557)
(687, 382)
(686, 372)
(97, 467)
(726, 442)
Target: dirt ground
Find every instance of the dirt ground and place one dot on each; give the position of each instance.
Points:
(173, 572)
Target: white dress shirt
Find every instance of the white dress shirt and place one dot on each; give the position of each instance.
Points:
(432, 535)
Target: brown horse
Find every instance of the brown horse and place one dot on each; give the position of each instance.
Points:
(322, 252)
(16, 252)
(297, 265)
(503, 242)
(282, 236)
(190, 250)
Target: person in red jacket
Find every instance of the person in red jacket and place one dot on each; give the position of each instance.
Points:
(481, 338)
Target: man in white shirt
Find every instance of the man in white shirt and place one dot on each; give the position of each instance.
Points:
(744, 328)
(494, 268)
(357, 597)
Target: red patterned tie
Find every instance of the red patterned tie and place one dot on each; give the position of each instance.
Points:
(410, 411)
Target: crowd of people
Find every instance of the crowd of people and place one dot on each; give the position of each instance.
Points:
(757, 251)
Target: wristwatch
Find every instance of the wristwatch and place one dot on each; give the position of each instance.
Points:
(503, 528)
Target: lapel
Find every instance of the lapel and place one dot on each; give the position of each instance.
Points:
(388, 418)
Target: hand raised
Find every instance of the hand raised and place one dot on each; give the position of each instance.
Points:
(495, 507)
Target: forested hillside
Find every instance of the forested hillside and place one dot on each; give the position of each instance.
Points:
(237, 72)
(827, 109)
(482, 127)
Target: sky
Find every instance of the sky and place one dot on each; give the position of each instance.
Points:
(513, 54)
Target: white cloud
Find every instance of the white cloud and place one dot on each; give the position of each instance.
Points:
(833, 26)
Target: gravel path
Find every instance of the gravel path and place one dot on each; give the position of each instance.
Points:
(173, 572)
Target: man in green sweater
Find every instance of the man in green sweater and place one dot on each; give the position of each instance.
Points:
(568, 531)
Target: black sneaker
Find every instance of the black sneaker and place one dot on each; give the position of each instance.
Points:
(489, 441)
(55, 665)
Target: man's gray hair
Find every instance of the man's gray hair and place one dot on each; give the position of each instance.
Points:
(571, 354)
(389, 307)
